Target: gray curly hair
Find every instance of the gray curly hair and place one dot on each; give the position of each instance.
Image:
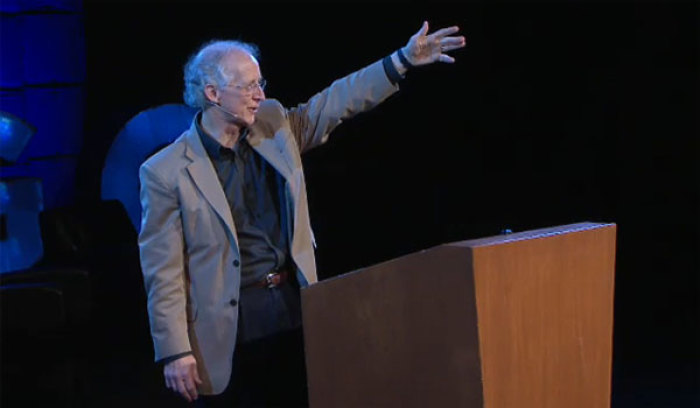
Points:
(204, 67)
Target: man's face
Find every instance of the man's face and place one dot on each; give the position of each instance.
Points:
(244, 91)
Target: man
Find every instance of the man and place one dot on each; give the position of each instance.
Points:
(225, 236)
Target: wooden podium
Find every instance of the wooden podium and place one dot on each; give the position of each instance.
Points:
(522, 320)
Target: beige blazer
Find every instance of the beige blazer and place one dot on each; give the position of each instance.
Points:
(188, 246)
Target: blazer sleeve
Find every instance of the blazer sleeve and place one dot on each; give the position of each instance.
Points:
(360, 91)
(161, 245)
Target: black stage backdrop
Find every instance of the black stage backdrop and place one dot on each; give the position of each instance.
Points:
(553, 114)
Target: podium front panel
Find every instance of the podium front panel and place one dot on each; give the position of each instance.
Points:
(398, 334)
(545, 307)
(523, 320)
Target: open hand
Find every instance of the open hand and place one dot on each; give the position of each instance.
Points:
(425, 49)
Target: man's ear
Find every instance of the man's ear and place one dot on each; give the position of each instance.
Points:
(211, 93)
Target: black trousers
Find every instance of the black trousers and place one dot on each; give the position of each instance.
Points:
(267, 371)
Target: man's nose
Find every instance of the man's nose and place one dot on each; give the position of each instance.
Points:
(259, 95)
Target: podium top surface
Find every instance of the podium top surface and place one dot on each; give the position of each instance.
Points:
(532, 234)
(485, 242)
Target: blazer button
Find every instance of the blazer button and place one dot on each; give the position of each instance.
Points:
(234, 302)
(236, 263)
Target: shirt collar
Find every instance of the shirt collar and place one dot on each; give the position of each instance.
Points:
(211, 145)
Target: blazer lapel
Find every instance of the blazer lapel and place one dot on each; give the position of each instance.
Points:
(274, 150)
(202, 172)
(280, 154)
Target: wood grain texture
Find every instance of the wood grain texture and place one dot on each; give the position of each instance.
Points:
(399, 334)
(545, 308)
(514, 321)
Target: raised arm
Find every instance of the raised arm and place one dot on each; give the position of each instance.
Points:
(364, 89)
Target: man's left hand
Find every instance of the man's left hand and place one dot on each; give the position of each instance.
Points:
(424, 48)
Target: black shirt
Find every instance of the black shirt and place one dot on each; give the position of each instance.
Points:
(255, 192)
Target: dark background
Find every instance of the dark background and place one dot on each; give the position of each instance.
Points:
(554, 113)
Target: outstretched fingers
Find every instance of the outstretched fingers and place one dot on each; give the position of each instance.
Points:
(443, 32)
(424, 48)
(452, 43)
(446, 58)
(423, 29)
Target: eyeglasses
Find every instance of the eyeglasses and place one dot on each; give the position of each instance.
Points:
(251, 87)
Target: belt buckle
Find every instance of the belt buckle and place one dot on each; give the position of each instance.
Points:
(269, 279)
